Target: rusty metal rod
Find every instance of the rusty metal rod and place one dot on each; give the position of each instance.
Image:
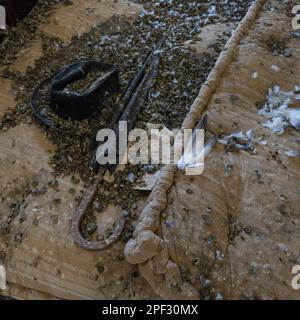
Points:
(129, 114)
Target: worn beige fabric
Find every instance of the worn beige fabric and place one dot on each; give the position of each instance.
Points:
(235, 236)
(42, 260)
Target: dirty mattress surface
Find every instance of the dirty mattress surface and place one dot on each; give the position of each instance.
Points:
(233, 232)
(240, 230)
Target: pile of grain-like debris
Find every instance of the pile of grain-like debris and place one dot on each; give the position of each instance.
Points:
(125, 43)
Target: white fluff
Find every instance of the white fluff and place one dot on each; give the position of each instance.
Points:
(262, 142)
(277, 110)
(292, 153)
(293, 116)
(277, 124)
(275, 68)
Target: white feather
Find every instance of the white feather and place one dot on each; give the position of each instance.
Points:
(292, 153)
(277, 109)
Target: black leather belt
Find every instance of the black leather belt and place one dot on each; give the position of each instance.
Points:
(71, 104)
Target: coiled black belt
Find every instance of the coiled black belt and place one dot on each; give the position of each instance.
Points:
(71, 104)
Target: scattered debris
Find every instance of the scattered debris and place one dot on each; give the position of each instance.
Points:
(124, 42)
(239, 141)
(183, 104)
(277, 109)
